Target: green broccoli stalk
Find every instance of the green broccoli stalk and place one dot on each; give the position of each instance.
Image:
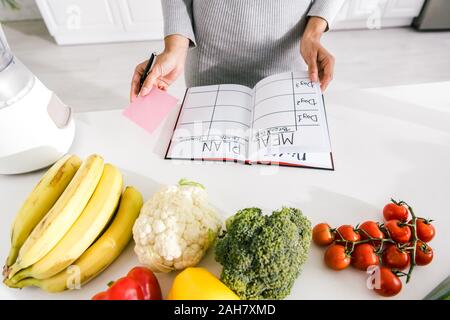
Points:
(262, 255)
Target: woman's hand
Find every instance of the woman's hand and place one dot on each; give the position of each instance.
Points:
(320, 62)
(168, 66)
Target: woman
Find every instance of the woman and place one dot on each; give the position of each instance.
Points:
(240, 41)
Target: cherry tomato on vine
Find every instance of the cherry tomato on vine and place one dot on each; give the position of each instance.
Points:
(398, 233)
(336, 257)
(348, 233)
(372, 229)
(424, 253)
(425, 230)
(386, 283)
(322, 234)
(395, 258)
(393, 211)
(364, 256)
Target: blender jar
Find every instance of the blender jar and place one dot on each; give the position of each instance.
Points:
(15, 79)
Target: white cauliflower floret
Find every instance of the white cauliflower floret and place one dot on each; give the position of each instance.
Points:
(175, 227)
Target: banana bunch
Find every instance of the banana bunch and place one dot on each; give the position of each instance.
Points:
(73, 225)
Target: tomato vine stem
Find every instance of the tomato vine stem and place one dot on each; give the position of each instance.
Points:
(413, 226)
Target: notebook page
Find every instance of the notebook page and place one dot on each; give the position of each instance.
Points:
(322, 160)
(213, 124)
(288, 116)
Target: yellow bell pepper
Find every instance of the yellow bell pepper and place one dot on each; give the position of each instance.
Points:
(199, 284)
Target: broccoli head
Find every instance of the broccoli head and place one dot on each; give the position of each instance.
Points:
(262, 255)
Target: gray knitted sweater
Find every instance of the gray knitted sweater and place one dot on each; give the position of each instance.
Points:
(242, 41)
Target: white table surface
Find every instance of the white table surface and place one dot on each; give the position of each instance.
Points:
(387, 142)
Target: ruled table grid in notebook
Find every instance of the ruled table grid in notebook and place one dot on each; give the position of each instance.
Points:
(282, 114)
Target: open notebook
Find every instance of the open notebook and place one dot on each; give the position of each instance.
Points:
(282, 120)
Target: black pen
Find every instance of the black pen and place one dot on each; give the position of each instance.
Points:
(148, 67)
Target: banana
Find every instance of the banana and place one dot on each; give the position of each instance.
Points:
(98, 256)
(61, 216)
(84, 231)
(40, 200)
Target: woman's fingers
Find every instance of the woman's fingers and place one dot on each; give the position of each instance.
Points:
(135, 82)
(325, 81)
(150, 81)
(326, 78)
(168, 66)
(313, 70)
(320, 62)
(162, 83)
(326, 62)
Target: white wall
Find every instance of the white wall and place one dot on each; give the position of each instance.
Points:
(93, 21)
(376, 14)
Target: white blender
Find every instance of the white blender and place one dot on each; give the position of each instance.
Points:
(36, 128)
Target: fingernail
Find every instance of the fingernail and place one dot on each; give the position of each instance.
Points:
(145, 91)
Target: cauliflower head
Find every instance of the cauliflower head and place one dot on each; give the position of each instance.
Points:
(175, 227)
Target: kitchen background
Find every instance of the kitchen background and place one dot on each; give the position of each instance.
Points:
(388, 106)
(373, 42)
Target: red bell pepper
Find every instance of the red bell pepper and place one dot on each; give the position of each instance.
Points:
(139, 284)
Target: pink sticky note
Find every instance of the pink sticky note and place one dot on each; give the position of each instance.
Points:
(149, 111)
